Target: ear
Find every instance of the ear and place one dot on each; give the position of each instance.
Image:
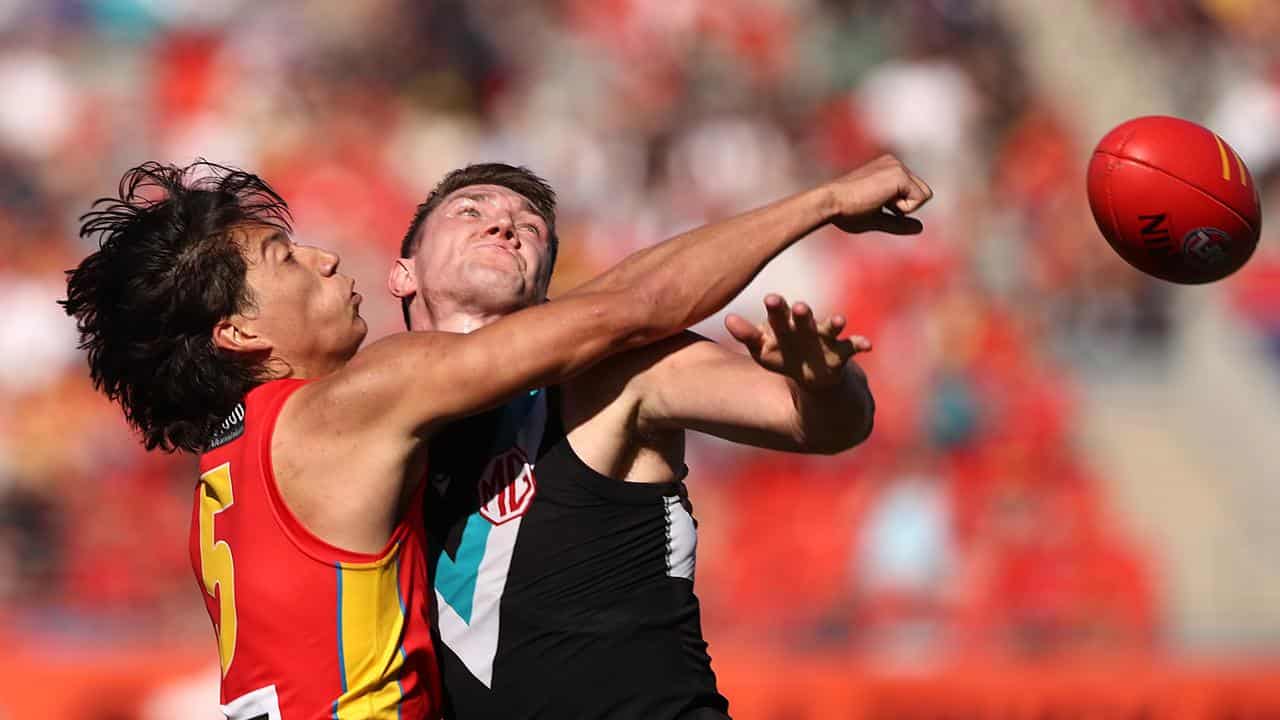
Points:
(401, 281)
(233, 334)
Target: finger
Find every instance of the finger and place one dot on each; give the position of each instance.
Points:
(802, 319)
(779, 315)
(911, 194)
(924, 193)
(909, 202)
(831, 327)
(848, 347)
(744, 332)
(924, 187)
(838, 353)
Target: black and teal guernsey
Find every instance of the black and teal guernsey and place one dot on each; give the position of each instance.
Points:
(559, 592)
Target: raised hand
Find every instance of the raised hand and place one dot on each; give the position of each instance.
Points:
(878, 196)
(791, 342)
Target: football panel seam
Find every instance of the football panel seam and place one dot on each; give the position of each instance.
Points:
(1184, 181)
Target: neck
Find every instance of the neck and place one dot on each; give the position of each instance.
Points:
(448, 317)
(279, 367)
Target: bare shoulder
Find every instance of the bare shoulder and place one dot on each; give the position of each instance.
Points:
(385, 391)
(324, 429)
(337, 473)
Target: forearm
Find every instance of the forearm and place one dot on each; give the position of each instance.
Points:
(691, 276)
(834, 419)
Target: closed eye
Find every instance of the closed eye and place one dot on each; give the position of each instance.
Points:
(279, 248)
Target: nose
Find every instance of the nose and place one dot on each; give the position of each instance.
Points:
(328, 261)
(503, 227)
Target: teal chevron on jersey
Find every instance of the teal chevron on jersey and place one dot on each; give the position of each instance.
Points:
(456, 576)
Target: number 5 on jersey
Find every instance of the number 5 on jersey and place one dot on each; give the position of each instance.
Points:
(217, 570)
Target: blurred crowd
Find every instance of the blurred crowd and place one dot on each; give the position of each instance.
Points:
(971, 522)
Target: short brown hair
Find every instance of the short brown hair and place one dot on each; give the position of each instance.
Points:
(515, 178)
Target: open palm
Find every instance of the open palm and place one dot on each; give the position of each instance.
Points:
(791, 342)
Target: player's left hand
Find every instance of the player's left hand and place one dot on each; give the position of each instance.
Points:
(794, 344)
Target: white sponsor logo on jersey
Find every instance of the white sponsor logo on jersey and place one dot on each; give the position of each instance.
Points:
(507, 487)
(484, 555)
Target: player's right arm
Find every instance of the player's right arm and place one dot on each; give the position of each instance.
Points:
(409, 382)
(375, 411)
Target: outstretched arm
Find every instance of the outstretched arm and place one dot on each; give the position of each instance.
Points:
(369, 418)
(405, 384)
(798, 390)
(703, 268)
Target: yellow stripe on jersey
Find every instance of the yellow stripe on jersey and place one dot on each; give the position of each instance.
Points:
(370, 636)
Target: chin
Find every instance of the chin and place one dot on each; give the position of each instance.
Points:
(495, 289)
(360, 329)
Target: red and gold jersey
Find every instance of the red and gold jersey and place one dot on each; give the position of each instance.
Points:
(305, 630)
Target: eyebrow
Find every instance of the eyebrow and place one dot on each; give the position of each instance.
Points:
(485, 196)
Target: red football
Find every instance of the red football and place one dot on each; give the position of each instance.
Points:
(1174, 200)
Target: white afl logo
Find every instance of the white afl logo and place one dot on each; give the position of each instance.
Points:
(1206, 246)
(506, 487)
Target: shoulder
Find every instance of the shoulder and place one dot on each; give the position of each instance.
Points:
(260, 406)
(383, 388)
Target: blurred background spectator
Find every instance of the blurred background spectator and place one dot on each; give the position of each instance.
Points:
(1069, 458)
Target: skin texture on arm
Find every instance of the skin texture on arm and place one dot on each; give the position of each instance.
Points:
(648, 296)
(710, 389)
(730, 253)
(798, 391)
(347, 447)
(355, 435)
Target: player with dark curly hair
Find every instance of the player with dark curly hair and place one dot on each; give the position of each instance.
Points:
(218, 333)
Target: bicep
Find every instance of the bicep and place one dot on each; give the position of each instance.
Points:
(532, 348)
(700, 385)
(409, 382)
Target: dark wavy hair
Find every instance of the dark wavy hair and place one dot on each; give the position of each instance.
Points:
(169, 266)
(516, 178)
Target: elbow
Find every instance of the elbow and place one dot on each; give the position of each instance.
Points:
(864, 419)
(865, 422)
(845, 432)
(863, 431)
(842, 438)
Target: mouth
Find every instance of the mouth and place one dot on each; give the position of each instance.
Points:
(516, 258)
(503, 249)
